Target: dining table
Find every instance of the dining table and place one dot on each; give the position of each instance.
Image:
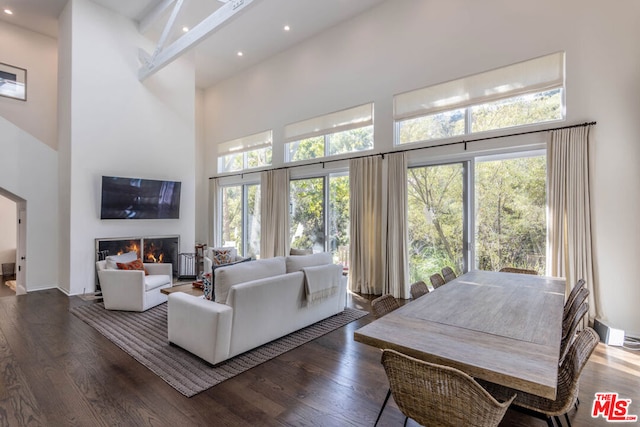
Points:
(501, 327)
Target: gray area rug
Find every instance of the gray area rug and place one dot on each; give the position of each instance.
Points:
(144, 337)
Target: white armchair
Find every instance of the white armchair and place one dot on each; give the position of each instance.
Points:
(131, 290)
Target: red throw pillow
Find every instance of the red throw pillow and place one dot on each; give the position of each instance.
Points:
(133, 265)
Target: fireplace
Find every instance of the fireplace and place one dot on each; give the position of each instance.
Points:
(160, 249)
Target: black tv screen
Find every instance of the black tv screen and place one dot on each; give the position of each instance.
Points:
(135, 198)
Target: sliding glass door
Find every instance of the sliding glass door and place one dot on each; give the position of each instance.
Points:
(436, 218)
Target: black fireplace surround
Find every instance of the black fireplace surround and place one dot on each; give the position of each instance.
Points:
(159, 249)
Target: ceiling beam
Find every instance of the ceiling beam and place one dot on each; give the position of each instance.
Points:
(198, 33)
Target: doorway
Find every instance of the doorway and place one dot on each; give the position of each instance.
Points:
(12, 244)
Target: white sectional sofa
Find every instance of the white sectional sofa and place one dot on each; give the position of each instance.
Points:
(257, 302)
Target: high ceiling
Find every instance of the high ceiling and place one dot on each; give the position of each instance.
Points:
(257, 31)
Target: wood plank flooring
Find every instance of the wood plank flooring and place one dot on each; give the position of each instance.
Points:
(57, 371)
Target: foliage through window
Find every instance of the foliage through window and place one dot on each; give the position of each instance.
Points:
(508, 208)
(319, 215)
(241, 219)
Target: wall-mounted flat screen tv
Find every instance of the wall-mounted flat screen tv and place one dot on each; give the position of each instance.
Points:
(135, 198)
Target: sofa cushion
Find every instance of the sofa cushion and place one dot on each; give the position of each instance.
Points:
(297, 263)
(154, 281)
(113, 260)
(133, 265)
(227, 276)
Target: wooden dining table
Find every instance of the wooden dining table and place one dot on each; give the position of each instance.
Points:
(500, 327)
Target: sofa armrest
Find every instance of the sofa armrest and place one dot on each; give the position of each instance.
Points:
(200, 326)
(207, 264)
(160, 268)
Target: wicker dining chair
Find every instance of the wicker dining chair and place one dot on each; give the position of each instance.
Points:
(572, 329)
(379, 307)
(572, 296)
(418, 289)
(383, 304)
(518, 270)
(436, 280)
(438, 395)
(448, 274)
(569, 313)
(568, 378)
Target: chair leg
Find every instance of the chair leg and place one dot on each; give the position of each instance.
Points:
(382, 409)
(558, 420)
(550, 422)
(405, 421)
(566, 416)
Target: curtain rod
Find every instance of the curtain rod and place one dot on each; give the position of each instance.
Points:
(446, 144)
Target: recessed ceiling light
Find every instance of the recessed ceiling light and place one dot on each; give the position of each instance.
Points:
(287, 28)
(240, 53)
(185, 29)
(8, 11)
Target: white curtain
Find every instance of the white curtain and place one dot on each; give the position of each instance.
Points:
(397, 252)
(274, 211)
(366, 271)
(569, 252)
(214, 209)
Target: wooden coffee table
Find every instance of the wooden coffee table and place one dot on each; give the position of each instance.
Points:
(187, 288)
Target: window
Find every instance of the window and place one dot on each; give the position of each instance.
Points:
(506, 211)
(342, 132)
(241, 218)
(520, 94)
(320, 215)
(252, 151)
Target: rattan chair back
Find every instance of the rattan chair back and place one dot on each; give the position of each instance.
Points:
(418, 289)
(572, 296)
(437, 395)
(570, 312)
(518, 270)
(571, 331)
(436, 280)
(383, 305)
(448, 274)
(569, 373)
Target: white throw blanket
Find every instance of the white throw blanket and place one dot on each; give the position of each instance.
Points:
(322, 281)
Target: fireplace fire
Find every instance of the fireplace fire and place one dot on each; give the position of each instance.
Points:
(163, 249)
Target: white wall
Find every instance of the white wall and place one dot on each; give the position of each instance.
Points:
(406, 44)
(38, 55)
(119, 126)
(28, 173)
(8, 230)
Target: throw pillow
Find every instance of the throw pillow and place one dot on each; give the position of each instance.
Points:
(221, 256)
(113, 260)
(133, 265)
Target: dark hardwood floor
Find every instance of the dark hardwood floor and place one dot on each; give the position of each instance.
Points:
(57, 371)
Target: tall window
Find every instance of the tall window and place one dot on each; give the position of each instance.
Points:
(520, 94)
(345, 131)
(241, 219)
(250, 152)
(320, 215)
(507, 210)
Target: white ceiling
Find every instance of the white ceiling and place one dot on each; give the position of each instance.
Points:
(257, 31)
